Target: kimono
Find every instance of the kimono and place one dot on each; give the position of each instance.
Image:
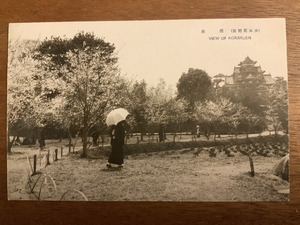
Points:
(117, 136)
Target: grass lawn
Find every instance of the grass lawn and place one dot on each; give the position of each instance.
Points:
(175, 175)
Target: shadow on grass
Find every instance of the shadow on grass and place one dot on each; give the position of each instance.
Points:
(112, 169)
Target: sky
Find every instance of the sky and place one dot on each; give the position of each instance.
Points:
(156, 49)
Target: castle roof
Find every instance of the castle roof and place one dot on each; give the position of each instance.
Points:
(247, 61)
(268, 79)
(250, 76)
(245, 73)
(220, 75)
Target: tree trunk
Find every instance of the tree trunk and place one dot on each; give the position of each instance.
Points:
(142, 136)
(174, 136)
(84, 138)
(75, 142)
(252, 173)
(84, 145)
(70, 139)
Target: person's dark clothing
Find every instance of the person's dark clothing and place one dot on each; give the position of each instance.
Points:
(198, 131)
(26, 141)
(117, 136)
(95, 137)
(42, 140)
(161, 133)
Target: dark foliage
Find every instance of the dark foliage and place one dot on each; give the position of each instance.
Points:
(255, 144)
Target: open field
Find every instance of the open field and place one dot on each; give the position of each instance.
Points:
(176, 175)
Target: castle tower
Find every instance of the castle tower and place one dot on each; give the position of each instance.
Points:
(248, 75)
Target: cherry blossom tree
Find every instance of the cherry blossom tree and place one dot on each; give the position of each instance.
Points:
(23, 103)
(242, 116)
(92, 86)
(176, 115)
(164, 110)
(214, 114)
(277, 109)
(158, 98)
(85, 81)
(138, 106)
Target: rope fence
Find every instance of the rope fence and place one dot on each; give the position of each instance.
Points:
(39, 162)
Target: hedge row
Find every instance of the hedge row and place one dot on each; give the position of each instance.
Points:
(131, 149)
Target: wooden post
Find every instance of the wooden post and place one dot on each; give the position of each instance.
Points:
(34, 164)
(52, 156)
(48, 158)
(61, 151)
(56, 150)
(137, 140)
(29, 167)
(251, 165)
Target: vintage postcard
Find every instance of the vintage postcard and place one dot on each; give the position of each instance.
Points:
(170, 110)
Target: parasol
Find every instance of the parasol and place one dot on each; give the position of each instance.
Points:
(116, 116)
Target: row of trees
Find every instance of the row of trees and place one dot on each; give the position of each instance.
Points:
(71, 84)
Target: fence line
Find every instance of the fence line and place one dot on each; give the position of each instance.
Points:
(44, 161)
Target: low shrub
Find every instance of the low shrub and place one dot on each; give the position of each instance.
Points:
(131, 149)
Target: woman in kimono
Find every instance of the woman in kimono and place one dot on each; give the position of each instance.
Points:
(117, 136)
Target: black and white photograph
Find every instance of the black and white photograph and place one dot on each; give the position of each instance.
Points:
(148, 110)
